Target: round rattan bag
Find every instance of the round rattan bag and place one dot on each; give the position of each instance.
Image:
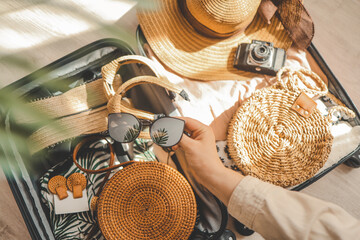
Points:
(278, 135)
(147, 200)
(143, 200)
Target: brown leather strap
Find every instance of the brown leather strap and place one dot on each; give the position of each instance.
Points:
(112, 156)
(95, 228)
(198, 26)
(304, 105)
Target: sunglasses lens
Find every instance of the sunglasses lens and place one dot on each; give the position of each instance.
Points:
(123, 127)
(167, 132)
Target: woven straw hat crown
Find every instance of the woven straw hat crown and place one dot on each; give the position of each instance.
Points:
(223, 16)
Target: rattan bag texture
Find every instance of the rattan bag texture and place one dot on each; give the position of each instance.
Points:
(147, 200)
(278, 135)
(143, 200)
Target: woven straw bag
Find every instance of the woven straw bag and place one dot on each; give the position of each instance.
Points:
(81, 110)
(143, 200)
(116, 104)
(278, 135)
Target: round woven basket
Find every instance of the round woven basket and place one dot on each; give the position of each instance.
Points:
(147, 201)
(269, 140)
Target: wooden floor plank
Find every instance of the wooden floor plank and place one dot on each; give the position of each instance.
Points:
(12, 225)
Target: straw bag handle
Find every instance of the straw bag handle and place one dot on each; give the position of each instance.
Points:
(111, 161)
(346, 110)
(109, 71)
(291, 82)
(116, 104)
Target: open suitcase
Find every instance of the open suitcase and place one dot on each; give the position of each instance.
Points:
(162, 103)
(82, 66)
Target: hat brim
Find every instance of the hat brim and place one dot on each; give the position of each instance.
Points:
(188, 53)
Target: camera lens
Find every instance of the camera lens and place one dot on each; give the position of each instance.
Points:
(260, 53)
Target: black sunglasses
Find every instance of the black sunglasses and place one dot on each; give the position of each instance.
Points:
(164, 131)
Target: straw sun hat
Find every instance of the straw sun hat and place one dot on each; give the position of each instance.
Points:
(198, 38)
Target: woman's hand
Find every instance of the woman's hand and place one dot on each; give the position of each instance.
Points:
(200, 149)
(202, 159)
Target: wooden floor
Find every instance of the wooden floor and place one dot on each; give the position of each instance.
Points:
(337, 37)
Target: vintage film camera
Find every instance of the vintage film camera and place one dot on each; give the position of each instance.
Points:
(259, 57)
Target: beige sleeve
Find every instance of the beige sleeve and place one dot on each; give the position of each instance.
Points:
(277, 213)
